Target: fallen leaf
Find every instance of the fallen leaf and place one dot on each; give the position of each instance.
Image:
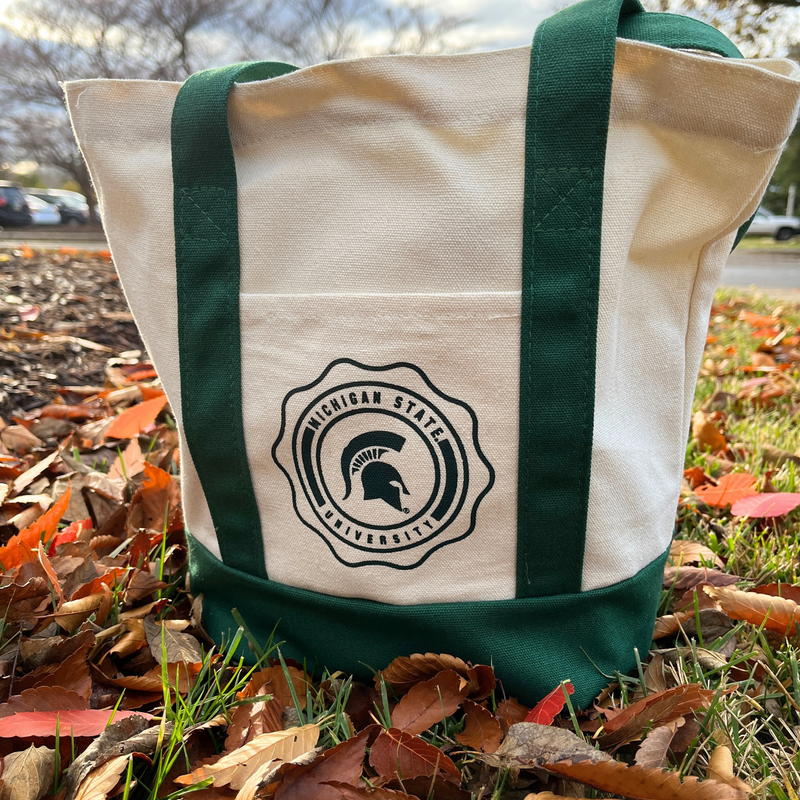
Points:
(656, 709)
(43, 698)
(28, 775)
(786, 590)
(774, 613)
(273, 680)
(347, 792)
(549, 707)
(136, 419)
(653, 752)
(670, 624)
(530, 744)
(720, 768)
(680, 579)
(706, 433)
(237, 766)
(510, 712)
(406, 671)
(23, 547)
(253, 719)
(430, 702)
(70, 722)
(482, 730)
(170, 645)
(644, 784)
(684, 551)
(731, 487)
(774, 504)
(396, 752)
(133, 734)
(97, 785)
(342, 763)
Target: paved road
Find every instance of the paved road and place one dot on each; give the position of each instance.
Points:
(774, 273)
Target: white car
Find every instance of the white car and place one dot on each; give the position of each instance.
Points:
(43, 213)
(765, 223)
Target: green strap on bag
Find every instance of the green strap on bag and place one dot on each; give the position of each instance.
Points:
(572, 62)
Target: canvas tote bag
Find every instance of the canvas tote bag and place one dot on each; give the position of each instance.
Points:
(430, 327)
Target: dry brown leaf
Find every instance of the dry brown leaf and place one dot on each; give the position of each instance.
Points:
(683, 551)
(774, 613)
(510, 712)
(430, 702)
(272, 680)
(396, 752)
(171, 645)
(531, 744)
(680, 579)
(253, 719)
(343, 763)
(653, 752)
(236, 767)
(346, 792)
(98, 784)
(406, 671)
(43, 698)
(71, 614)
(720, 768)
(643, 784)
(482, 729)
(28, 775)
(671, 623)
(656, 709)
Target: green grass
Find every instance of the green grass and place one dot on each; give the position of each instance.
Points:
(768, 243)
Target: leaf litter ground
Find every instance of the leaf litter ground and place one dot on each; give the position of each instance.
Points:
(109, 687)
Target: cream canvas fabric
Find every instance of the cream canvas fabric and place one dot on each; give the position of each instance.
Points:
(380, 224)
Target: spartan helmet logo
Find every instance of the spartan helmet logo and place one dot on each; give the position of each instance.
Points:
(380, 481)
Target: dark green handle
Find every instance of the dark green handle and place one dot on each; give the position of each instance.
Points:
(569, 101)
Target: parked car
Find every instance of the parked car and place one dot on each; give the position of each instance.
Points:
(14, 211)
(72, 206)
(43, 213)
(765, 223)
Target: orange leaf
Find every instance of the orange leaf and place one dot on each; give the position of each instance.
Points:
(134, 420)
(406, 671)
(788, 591)
(397, 753)
(430, 702)
(482, 730)
(731, 487)
(775, 613)
(645, 784)
(706, 433)
(23, 547)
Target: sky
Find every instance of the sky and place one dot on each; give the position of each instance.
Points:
(496, 23)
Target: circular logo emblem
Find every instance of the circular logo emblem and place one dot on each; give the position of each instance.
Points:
(381, 464)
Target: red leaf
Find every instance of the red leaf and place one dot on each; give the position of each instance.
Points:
(70, 722)
(774, 504)
(134, 420)
(549, 707)
(69, 534)
(731, 487)
(396, 752)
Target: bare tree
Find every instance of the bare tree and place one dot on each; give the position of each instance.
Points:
(46, 42)
(758, 28)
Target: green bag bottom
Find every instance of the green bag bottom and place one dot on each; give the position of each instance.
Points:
(534, 643)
